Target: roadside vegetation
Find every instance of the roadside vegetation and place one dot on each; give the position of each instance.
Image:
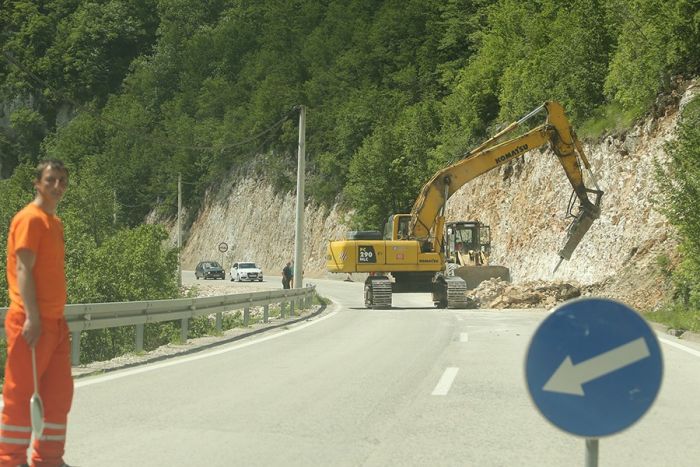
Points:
(131, 94)
(680, 182)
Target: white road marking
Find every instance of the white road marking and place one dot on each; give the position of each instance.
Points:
(178, 361)
(680, 346)
(464, 337)
(445, 383)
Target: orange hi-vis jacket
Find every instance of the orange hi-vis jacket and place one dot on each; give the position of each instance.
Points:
(42, 233)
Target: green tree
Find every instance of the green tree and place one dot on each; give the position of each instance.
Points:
(131, 265)
(15, 193)
(562, 56)
(680, 186)
(392, 165)
(657, 39)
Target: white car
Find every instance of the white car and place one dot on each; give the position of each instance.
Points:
(246, 272)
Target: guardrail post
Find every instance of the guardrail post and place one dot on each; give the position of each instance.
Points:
(266, 313)
(291, 309)
(282, 309)
(75, 348)
(139, 338)
(219, 321)
(246, 316)
(183, 331)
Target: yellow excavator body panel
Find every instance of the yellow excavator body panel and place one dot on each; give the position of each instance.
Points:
(380, 256)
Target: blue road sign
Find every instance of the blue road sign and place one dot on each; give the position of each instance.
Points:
(593, 367)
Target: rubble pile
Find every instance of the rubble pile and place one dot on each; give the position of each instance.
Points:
(497, 293)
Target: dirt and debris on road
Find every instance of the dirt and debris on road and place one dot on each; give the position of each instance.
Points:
(640, 285)
(496, 293)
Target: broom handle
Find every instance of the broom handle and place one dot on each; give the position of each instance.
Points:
(36, 390)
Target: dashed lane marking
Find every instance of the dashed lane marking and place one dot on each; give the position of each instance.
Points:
(443, 386)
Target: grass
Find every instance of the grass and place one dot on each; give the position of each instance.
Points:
(319, 300)
(676, 317)
(607, 119)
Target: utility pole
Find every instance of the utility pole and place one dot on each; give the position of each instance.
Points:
(299, 231)
(179, 229)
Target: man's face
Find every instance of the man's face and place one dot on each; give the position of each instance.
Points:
(52, 185)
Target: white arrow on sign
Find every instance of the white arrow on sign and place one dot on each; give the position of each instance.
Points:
(569, 378)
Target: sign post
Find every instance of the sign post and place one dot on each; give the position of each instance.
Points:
(223, 248)
(593, 368)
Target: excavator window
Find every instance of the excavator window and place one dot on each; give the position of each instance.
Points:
(465, 237)
(403, 227)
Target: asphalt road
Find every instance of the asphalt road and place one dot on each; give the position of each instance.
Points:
(409, 386)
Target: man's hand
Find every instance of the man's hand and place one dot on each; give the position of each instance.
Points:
(31, 331)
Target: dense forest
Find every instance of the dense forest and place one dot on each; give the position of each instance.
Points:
(132, 93)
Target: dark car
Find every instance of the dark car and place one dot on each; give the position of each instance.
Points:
(209, 270)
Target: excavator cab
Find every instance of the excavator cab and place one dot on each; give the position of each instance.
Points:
(397, 227)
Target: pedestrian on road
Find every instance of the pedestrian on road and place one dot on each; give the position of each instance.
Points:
(287, 276)
(37, 288)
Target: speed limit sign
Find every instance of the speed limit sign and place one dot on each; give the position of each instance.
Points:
(223, 247)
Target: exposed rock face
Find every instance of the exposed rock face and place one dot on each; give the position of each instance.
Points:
(524, 203)
(258, 225)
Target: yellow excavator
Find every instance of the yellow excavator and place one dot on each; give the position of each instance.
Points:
(417, 252)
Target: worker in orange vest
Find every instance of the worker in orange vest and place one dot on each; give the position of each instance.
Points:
(37, 285)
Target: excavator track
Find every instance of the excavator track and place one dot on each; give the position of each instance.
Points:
(378, 292)
(450, 292)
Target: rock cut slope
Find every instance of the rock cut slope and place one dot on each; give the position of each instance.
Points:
(523, 202)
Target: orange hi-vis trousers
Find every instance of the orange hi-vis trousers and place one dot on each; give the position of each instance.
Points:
(53, 367)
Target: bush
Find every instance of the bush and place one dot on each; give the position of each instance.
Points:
(680, 200)
(131, 265)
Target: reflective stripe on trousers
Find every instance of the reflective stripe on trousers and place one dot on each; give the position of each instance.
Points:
(55, 389)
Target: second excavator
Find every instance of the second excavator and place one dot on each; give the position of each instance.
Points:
(419, 252)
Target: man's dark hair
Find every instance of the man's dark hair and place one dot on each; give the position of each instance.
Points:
(52, 163)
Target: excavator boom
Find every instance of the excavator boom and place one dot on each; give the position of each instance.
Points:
(556, 131)
(413, 256)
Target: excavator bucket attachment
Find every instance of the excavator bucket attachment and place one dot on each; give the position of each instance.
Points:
(475, 275)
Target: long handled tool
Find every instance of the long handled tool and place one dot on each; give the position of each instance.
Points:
(36, 407)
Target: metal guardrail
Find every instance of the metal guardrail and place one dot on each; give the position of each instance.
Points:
(83, 317)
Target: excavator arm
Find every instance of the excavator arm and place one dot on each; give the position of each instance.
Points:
(556, 131)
